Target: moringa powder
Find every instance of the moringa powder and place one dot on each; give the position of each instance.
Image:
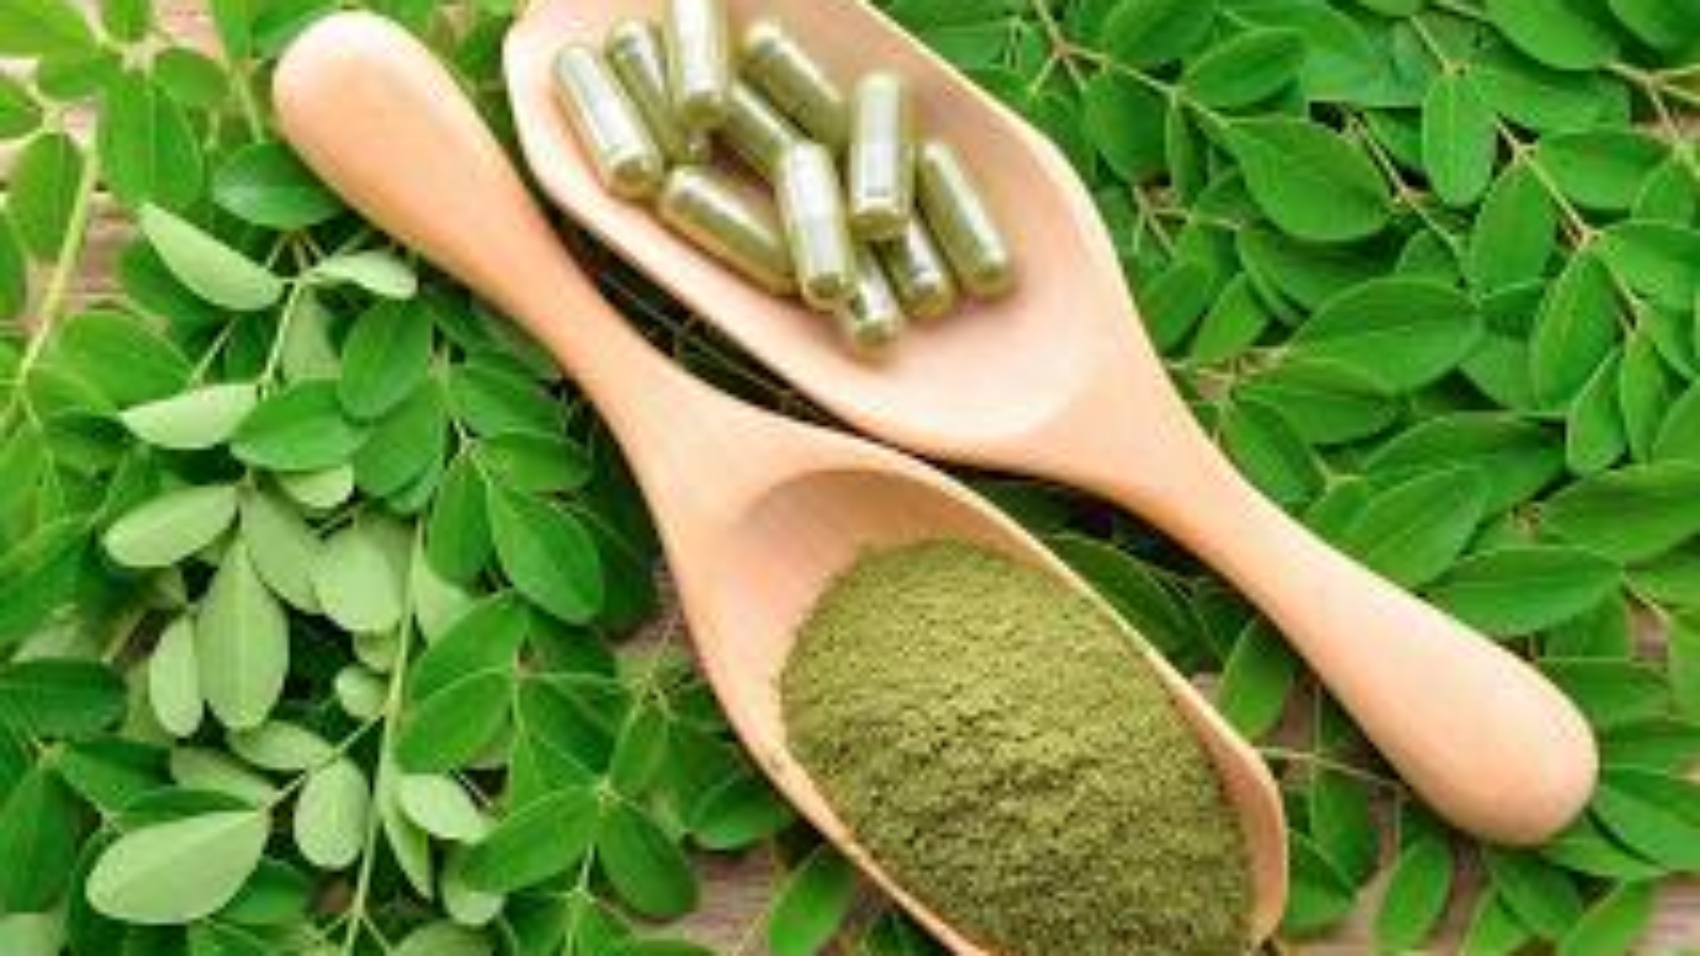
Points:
(1000, 745)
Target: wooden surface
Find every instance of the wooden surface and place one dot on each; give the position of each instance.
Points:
(736, 890)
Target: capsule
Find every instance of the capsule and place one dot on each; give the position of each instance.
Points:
(872, 318)
(638, 58)
(964, 227)
(713, 213)
(779, 67)
(627, 160)
(918, 272)
(881, 159)
(756, 131)
(811, 205)
(699, 60)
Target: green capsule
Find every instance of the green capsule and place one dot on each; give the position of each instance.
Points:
(780, 67)
(608, 125)
(811, 204)
(757, 132)
(872, 318)
(638, 57)
(919, 272)
(881, 159)
(963, 225)
(711, 211)
(699, 59)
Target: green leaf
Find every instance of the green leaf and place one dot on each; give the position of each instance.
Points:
(1600, 169)
(1494, 930)
(645, 865)
(1652, 813)
(178, 872)
(174, 680)
(299, 428)
(20, 114)
(1667, 26)
(200, 418)
(242, 643)
(1131, 587)
(39, 833)
(548, 554)
(1683, 649)
(120, 356)
(1270, 453)
(443, 939)
(44, 189)
(1416, 896)
(1516, 457)
(737, 813)
(1123, 119)
(32, 934)
(536, 842)
(148, 149)
(281, 747)
(1614, 924)
(457, 533)
(1342, 825)
(1232, 325)
(812, 903)
(127, 20)
(1584, 848)
(1413, 531)
(167, 529)
(43, 28)
(1308, 180)
(386, 357)
(1256, 680)
(1574, 332)
(452, 727)
(1563, 34)
(192, 78)
(1657, 259)
(1594, 432)
(1540, 895)
(14, 272)
(1318, 896)
(1629, 514)
(1515, 232)
(49, 697)
(376, 271)
(265, 184)
(1325, 403)
(1459, 139)
(1609, 692)
(1148, 32)
(1402, 333)
(1249, 67)
(407, 446)
(206, 266)
(1525, 588)
(441, 807)
(356, 582)
(284, 550)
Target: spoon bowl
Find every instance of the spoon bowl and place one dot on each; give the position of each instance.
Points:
(757, 513)
(1059, 381)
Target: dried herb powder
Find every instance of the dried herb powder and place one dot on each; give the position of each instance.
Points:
(1002, 747)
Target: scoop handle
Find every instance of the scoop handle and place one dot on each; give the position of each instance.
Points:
(374, 113)
(1486, 739)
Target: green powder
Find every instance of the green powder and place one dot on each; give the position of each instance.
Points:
(1000, 745)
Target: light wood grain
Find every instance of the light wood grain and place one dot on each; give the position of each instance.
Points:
(737, 889)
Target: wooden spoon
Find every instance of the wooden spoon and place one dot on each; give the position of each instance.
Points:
(757, 512)
(1058, 381)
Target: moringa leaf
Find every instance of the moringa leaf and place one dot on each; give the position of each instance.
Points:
(1400, 333)
(811, 904)
(205, 265)
(1311, 183)
(241, 643)
(192, 420)
(1630, 513)
(1459, 140)
(1525, 588)
(1563, 34)
(265, 184)
(170, 528)
(177, 872)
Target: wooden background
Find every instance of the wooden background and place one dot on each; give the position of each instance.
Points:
(737, 890)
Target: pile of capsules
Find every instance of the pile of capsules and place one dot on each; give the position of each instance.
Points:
(895, 237)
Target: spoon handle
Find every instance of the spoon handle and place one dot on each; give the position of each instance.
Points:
(1483, 736)
(377, 116)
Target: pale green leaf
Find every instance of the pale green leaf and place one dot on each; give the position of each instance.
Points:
(178, 872)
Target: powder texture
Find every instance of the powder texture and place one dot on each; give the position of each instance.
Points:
(1001, 746)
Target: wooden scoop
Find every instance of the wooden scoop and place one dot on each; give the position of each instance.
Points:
(757, 512)
(1059, 381)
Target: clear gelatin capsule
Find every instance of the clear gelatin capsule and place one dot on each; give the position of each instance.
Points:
(777, 65)
(811, 205)
(637, 55)
(699, 59)
(881, 158)
(918, 272)
(872, 319)
(963, 225)
(607, 124)
(757, 131)
(711, 211)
